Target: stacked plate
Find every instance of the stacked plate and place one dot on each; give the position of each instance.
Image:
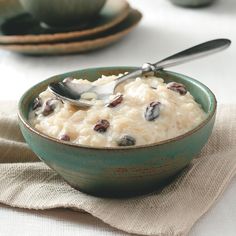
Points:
(23, 34)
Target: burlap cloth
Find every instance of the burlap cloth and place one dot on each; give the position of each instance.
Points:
(26, 182)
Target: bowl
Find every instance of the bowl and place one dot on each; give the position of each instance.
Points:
(9, 8)
(63, 13)
(119, 171)
(192, 3)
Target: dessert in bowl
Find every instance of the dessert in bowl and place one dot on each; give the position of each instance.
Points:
(142, 111)
(146, 133)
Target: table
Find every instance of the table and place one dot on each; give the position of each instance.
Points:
(165, 29)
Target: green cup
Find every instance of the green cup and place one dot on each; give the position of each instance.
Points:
(63, 13)
(9, 8)
(192, 3)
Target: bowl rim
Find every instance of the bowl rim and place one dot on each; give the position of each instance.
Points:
(211, 113)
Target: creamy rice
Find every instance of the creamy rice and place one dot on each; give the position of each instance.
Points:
(144, 111)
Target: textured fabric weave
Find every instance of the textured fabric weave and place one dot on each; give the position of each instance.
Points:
(26, 182)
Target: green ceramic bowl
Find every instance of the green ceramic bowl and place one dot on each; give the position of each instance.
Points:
(192, 3)
(119, 171)
(9, 8)
(63, 13)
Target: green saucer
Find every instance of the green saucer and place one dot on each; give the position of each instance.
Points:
(81, 45)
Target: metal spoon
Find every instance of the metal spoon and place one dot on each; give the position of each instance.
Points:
(83, 95)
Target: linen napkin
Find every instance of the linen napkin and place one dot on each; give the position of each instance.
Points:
(26, 182)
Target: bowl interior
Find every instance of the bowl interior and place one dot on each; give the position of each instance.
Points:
(200, 92)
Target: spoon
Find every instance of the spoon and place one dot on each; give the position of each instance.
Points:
(83, 95)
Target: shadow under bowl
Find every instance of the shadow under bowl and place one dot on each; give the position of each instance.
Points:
(123, 171)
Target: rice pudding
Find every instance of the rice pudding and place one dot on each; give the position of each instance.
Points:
(143, 111)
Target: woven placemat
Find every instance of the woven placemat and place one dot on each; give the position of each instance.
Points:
(26, 182)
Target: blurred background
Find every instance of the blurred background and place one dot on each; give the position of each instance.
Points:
(164, 29)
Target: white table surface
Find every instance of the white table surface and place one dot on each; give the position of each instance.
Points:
(165, 29)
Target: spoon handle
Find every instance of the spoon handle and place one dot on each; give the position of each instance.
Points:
(192, 53)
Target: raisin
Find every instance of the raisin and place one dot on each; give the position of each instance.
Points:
(37, 103)
(177, 87)
(116, 101)
(50, 106)
(152, 87)
(152, 111)
(47, 110)
(126, 140)
(65, 137)
(101, 126)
